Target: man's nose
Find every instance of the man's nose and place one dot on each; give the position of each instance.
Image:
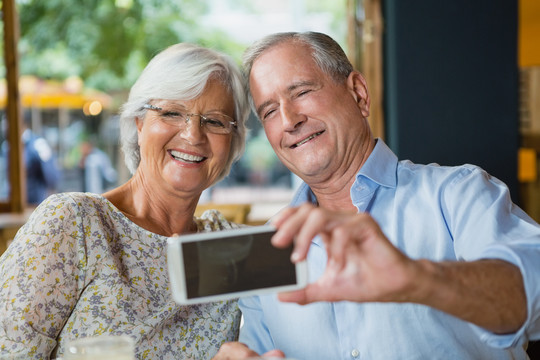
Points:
(291, 118)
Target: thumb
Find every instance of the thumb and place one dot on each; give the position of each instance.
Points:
(274, 353)
(298, 296)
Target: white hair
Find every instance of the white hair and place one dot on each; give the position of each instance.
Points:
(181, 72)
(325, 51)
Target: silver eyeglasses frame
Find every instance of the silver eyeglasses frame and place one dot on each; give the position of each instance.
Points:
(203, 120)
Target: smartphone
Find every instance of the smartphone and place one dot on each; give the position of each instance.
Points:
(230, 264)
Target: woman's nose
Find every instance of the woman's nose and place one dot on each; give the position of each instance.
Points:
(192, 130)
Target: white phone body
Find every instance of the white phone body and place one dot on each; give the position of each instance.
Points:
(221, 265)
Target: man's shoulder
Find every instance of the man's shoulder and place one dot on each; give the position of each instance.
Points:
(439, 178)
(407, 167)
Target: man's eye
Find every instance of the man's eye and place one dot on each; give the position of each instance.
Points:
(303, 92)
(268, 114)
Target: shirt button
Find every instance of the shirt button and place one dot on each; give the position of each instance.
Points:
(355, 353)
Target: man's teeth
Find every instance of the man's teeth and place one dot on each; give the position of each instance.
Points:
(307, 139)
(186, 157)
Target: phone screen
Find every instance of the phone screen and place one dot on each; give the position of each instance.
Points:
(236, 263)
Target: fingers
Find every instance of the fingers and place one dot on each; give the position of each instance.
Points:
(349, 235)
(301, 225)
(360, 259)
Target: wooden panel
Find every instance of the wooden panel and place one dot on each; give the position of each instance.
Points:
(529, 32)
(529, 103)
(17, 201)
(365, 47)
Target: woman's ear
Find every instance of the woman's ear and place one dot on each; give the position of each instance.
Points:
(139, 122)
(358, 87)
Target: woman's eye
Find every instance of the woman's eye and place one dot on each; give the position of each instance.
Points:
(171, 114)
(214, 123)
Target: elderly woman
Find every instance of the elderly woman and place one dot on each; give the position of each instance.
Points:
(87, 264)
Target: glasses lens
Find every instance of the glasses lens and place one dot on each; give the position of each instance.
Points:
(172, 116)
(216, 123)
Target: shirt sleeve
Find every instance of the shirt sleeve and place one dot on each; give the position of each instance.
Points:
(39, 274)
(254, 332)
(525, 255)
(487, 224)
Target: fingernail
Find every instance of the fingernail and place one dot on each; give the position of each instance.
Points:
(295, 257)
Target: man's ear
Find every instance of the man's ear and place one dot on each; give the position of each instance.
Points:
(358, 87)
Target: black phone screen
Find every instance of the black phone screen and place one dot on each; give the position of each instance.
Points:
(236, 263)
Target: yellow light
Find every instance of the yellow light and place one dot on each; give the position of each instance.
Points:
(92, 108)
(527, 169)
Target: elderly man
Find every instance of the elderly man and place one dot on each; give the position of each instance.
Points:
(406, 261)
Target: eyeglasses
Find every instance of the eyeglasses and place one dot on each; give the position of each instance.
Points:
(214, 123)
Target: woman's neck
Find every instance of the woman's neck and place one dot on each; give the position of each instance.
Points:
(154, 211)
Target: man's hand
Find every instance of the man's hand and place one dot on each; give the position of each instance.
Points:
(362, 264)
(238, 351)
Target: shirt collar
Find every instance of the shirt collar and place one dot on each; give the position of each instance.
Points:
(381, 166)
(303, 194)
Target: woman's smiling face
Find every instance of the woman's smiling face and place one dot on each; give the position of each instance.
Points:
(188, 159)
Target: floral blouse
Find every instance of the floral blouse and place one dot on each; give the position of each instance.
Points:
(79, 267)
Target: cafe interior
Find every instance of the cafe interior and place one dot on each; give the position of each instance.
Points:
(452, 82)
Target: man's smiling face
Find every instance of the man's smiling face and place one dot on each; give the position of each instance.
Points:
(311, 121)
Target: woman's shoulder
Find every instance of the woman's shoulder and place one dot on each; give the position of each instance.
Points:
(59, 219)
(69, 205)
(213, 220)
(73, 198)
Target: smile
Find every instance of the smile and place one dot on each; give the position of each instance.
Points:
(306, 140)
(180, 156)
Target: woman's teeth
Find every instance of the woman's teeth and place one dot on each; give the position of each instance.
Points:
(186, 157)
(307, 139)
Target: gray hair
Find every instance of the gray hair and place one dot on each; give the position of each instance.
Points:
(325, 51)
(181, 72)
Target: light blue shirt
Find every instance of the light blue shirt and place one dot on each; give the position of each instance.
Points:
(427, 211)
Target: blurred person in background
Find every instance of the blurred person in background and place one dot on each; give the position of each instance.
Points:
(98, 174)
(88, 264)
(42, 172)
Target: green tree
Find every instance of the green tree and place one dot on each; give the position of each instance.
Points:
(106, 42)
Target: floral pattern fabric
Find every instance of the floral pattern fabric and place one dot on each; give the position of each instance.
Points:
(79, 267)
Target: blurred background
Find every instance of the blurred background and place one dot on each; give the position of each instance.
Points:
(452, 82)
(78, 59)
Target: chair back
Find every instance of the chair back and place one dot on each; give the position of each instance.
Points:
(237, 213)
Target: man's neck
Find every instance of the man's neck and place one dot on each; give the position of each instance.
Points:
(336, 203)
(334, 191)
